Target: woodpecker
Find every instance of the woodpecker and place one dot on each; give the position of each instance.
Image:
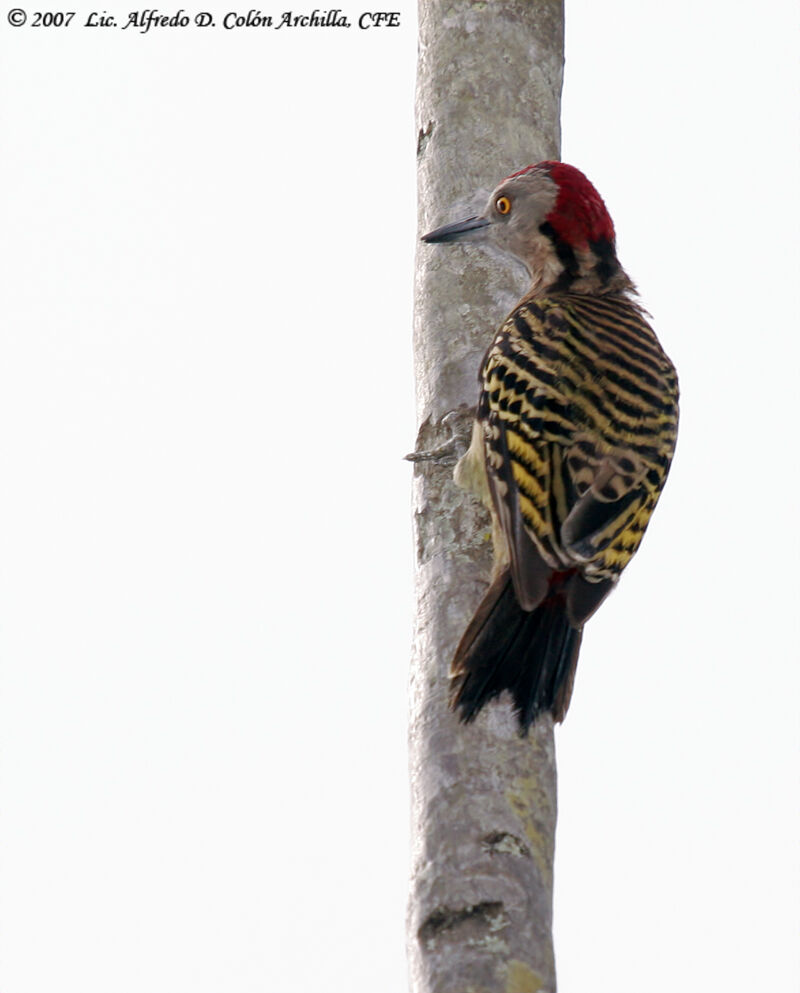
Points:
(574, 434)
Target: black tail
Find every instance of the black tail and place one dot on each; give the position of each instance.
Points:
(532, 653)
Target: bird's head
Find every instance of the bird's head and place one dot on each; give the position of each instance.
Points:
(551, 218)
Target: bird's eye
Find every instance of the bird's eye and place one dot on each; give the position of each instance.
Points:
(502, 205)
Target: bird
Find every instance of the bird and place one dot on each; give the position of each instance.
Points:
(572, 441)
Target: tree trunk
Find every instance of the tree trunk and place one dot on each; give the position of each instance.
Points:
(483, 798)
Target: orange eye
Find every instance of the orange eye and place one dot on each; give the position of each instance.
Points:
(502, 205)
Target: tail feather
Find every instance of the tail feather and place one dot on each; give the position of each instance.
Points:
(532, 654)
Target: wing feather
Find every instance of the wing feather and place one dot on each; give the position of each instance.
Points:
(579, 426)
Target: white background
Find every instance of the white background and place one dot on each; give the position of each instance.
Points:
(205, 553)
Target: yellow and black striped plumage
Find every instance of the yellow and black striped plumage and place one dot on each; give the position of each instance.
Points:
(580, 407)
(578, 418)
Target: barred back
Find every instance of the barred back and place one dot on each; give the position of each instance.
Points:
(579, 410)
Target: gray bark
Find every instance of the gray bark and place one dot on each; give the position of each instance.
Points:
(483, 798)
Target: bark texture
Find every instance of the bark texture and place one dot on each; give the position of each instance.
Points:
(483, 798)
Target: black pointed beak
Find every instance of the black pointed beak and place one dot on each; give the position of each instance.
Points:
(454, 232)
